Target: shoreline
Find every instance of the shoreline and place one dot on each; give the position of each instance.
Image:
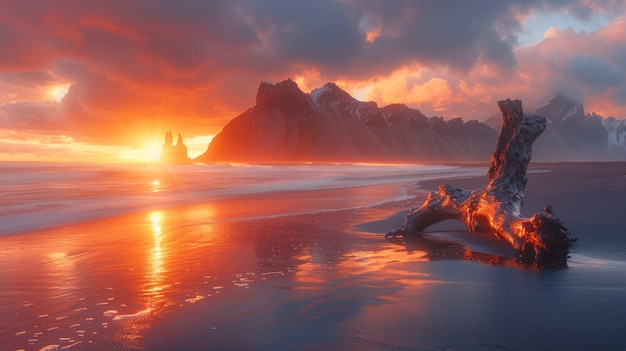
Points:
(179, 278)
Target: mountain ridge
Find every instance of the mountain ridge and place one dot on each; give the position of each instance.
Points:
(328, 124)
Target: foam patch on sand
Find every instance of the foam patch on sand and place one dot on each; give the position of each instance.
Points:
(140, 314)
(110, 313)
(195, 299)
(121, 317)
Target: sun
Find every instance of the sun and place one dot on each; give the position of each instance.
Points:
(152, 152)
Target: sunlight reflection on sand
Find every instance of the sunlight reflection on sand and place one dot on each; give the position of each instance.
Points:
(155, 278)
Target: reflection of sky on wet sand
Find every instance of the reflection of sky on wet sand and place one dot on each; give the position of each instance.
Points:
(323, 286)
(118, 282)
(156, 281)
(115, 282)
(180, 278)
(312, 277)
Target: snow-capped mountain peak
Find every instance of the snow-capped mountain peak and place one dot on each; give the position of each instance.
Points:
(558, 108)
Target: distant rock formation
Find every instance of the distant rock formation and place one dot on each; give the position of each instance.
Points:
(174, 153)
(288, 125)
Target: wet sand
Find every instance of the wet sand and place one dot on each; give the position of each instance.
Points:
(199, 277)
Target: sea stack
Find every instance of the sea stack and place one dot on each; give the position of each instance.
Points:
(174, 153)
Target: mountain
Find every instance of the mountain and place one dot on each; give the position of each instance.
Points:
(288, 125)
(572, 135)
(174, 153)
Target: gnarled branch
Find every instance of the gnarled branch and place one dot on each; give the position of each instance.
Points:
(541, 239)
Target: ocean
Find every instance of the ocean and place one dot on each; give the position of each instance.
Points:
(39, 196)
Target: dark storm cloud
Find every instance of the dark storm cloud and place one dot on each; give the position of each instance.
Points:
(188, 36)
(455, 36)
(332, 35)
(595, 72)
(586, 9)
(321, 32)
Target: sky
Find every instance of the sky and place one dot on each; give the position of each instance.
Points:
(102, 81)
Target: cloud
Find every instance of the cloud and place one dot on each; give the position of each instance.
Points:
(336, 37)
(29, 116)
(586, 66)
(141, 67)
(595, 72)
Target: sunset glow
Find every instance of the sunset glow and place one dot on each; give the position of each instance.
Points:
(104, 73)
(58, 92)
(198, 144)
(153, 152)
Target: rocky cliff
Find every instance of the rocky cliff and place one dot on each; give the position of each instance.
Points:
(288, 125)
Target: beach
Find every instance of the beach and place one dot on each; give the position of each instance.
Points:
(309, 269)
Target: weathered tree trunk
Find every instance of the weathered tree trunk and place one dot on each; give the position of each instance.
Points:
(542, 240)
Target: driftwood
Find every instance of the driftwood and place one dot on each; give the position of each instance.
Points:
(541, 240)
